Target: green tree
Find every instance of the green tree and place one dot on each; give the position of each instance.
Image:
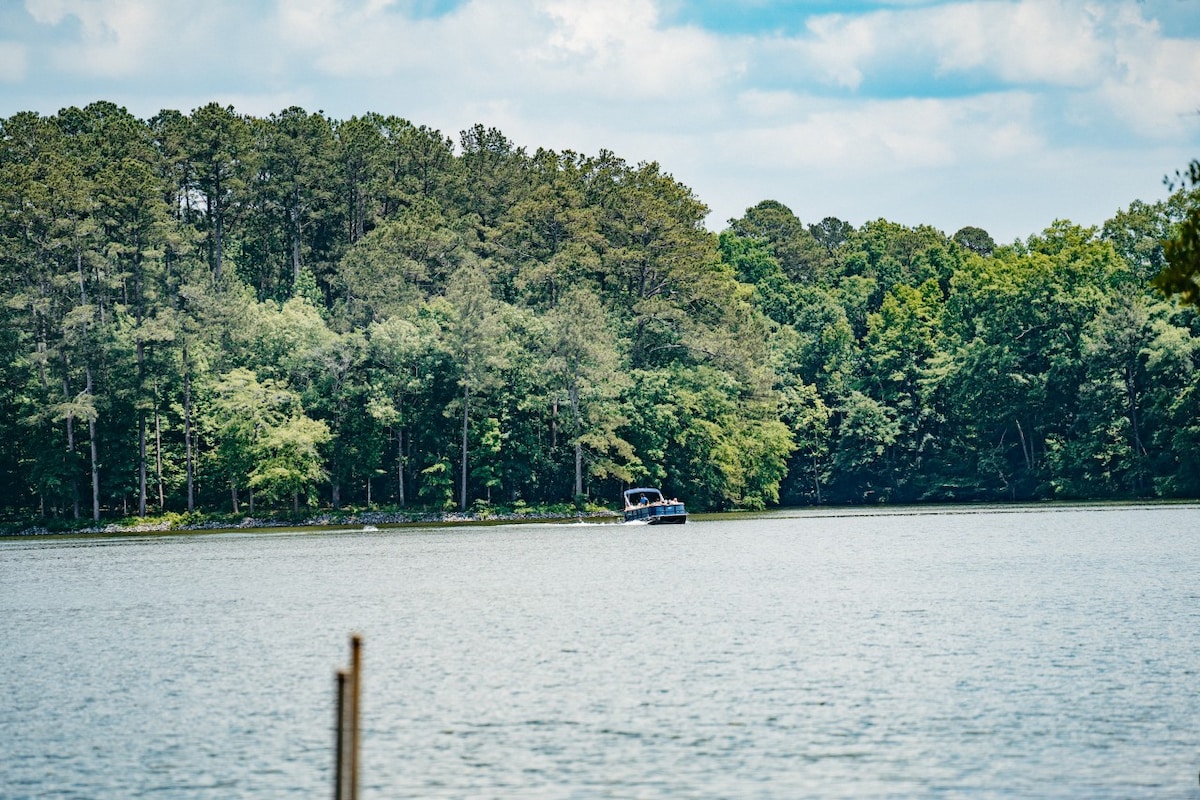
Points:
(420, 169)
(299, 218)
(1016, 321)
(238, 417)
(475, 339)
(361, 149)
(288, 461)
(552, 234)
(810, 419)
(1172, 406)
(1104, 453)
(977, 240)
(583, 356)
(702, 436)
(902, 340)
(396, 265)
(866, 432)
(493, 170)
(220, 161)
(774, 295)
(1182, 251)
(804, 253)
(413, 373)
(661, 273)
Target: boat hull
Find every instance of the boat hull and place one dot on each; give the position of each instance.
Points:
(648, 506)
(667, 514)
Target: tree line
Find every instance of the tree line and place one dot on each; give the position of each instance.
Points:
(213, 311)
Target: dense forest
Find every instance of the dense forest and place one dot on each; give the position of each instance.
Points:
(212, 311)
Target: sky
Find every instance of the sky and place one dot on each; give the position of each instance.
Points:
(1000, 114)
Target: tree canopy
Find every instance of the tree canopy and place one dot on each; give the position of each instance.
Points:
(1181, 274)
(209, 310)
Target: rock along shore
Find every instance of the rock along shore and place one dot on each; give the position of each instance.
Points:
(323, 520)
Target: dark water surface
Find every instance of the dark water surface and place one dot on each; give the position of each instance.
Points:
(1035, 653)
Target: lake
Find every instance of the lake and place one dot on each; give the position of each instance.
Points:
(1038, 652)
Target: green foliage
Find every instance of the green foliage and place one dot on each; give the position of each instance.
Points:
(977, 240)
(288, 459)
(437, 486)
(208, 308)
(1181, 275)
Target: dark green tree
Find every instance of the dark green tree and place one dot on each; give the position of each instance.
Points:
(1182, 250)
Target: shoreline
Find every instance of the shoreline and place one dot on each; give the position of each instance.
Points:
(328, 519)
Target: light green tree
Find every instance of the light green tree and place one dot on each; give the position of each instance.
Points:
(288, 460)
(241, 412)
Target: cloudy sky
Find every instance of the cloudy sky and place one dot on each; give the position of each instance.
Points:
(1003, 114)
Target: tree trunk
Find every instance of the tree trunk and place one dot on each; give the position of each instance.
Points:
(142, 477)
(400, 466)
(1026, 447)
(295, 214)
(141, 369)
(335, 485)
(95, 454)
(162, 494)
(574, 397)
(817, 479)
(578, 469)
(462, 503)
(187, 432)
(1131, 398)
(1139, 450)
(71, 451)
(218, 220)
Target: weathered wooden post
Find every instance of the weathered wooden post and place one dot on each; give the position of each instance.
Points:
(345, 778)
(355, 694)
(339, 757)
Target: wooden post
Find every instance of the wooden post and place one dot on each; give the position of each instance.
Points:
(339, 758)
(345, 777)
(355, 694)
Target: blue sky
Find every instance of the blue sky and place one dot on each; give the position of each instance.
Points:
(1004, 114)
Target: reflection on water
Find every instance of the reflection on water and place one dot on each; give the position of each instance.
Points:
(1045, 653)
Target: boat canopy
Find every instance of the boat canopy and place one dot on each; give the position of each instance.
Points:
(635, 497)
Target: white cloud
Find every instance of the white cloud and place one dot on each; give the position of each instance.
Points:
(137, 46)
(1055, 42)
(888, 135)
(14, 59)
(615, 50)
(842, 46)
(117, 35)
(856, 108)
(1155, 87)
(621, 49)
(1104, 64)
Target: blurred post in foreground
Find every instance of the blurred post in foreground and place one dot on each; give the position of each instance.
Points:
(345, 779)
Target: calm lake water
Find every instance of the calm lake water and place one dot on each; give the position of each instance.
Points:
(1019, 652)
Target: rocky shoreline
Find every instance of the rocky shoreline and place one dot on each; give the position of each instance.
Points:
(324, 520)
